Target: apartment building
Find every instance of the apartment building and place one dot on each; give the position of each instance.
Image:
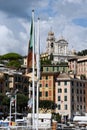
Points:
(78, 65)
(47, 86)
(82, 66)
(70, 95)
(11, 80)
(55, 68)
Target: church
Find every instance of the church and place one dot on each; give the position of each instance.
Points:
(58, 49)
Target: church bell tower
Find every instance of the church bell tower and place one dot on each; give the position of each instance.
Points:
(50, 42)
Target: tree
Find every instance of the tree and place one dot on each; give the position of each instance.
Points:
(22, 101)
(6, 100)
(11, 56)
(47, 105)
(4, 104)
(13, 60)
(56, 116)
(45, 62)
(82, 53)
(14, 63)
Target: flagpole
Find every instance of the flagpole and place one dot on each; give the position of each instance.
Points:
(38, 71)
(33, 82)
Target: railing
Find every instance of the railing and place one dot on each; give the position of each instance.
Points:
(23, 128)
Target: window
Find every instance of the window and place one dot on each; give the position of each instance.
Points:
(84, 99)
(77, 91)
(83, 91)
(47, 69)
(58, 83)
(65, 90)
(77, 83)
(42, 120)
(72, 98)
(51, 45)
(59, 90)
(72, 83)
(40, 94)
(80, 107)
(59, 98)
(65, 107)
(80, 84)
(40, 85)
(46, 85)
(80, 91)
(59, 107)
(46, 94)
(65, 83)
(84, 84)
(80, 99)
(72, 107)
(65, 98)
(6, 84)
(72, 90)
(77, 98)
(57, 68)
(46, 77)
(53, 69)
(77, 107)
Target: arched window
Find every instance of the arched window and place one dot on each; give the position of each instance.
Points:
(52, 45)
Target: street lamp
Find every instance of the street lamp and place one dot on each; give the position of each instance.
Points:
(9, 95)
(15, 103)
(11, 101)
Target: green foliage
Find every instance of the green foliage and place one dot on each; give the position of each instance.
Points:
(6, 101)
(56, 116)
(82, 53)
(11, 56)
(45, 62)
(2, 97)
(11, 60)
(22, 101)
(14, 63)
(47, 104)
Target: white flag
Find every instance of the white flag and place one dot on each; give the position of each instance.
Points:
(30, 103)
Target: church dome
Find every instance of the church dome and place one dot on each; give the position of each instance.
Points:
(62, 40)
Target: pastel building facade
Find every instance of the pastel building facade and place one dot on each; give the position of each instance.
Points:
(47, 86)
(82, 66)
(70, 95)
(78, 65)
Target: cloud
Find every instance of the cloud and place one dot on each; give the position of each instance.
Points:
(10, 43)
(73, 1)
(21, 8)
(65, 17)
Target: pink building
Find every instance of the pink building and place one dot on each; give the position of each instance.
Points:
(78, 65)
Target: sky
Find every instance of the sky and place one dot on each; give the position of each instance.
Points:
(67, 18)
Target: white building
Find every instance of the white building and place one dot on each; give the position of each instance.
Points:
(58, 48)
(44, 120)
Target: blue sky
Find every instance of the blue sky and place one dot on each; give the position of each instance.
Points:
(67, 18)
